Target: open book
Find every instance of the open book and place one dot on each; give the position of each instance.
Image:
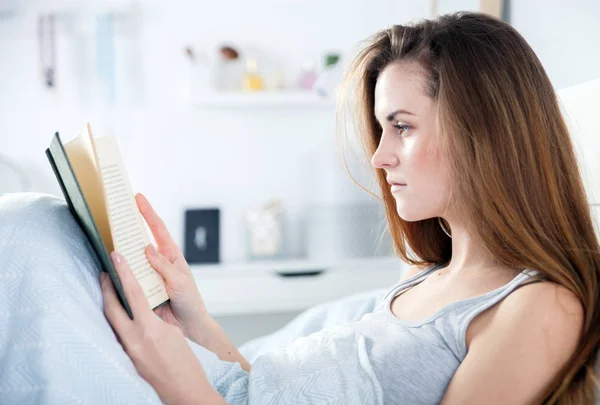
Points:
(93, 179)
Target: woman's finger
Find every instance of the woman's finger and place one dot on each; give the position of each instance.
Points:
(133, 291)
(114, 311)
(163, 238)
(161, 264)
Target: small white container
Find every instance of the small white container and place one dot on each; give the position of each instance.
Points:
(265, 231)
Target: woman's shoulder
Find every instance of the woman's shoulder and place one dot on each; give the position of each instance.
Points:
(544, 315)
(543, 300)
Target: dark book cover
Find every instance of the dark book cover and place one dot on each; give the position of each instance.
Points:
(77, 205)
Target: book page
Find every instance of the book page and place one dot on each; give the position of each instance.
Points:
(126, 223)
(82, 157)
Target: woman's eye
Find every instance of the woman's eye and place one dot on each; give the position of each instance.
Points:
(402, 128)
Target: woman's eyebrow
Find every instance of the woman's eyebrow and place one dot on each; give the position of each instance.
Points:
(392, 115)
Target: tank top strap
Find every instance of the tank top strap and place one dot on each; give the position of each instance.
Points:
(466, 313)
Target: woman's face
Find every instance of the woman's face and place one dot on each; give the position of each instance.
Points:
(407, 149)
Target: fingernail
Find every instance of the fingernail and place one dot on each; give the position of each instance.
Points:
(116, 257)
(102, 277)
(152, 250)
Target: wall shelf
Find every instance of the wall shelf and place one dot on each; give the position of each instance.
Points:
(263, 99)
(78, 6)
(291, 266)
(260, 288)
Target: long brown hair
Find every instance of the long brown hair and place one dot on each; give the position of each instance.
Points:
(501, 130)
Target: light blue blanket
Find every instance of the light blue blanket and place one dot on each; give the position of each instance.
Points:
(56, 346)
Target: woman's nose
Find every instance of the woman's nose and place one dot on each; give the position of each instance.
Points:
(385, 155)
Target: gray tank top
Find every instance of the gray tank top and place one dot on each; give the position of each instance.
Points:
(414, 361)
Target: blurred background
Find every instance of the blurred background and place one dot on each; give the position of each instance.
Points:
(229, 107)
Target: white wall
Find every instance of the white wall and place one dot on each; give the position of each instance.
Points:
(564, 34)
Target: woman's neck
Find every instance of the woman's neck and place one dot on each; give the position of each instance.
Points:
(468, 251)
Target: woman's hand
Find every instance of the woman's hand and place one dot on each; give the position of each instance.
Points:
(186, 309)
(158, 350)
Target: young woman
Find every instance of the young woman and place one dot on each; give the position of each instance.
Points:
(484, 200)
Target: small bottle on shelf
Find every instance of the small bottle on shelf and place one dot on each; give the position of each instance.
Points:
(308, 76)
(252, 80)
